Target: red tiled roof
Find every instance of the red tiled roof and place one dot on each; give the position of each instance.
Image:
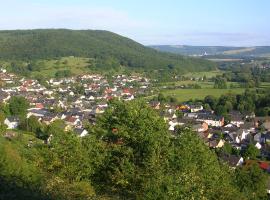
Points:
(264, 165)
(39, 105)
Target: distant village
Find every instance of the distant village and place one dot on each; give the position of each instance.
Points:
(61, 99)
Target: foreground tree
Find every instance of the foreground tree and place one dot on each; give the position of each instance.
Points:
(138, 147)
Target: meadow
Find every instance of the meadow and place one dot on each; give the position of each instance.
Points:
(76, 65)
(207, 88)
(186, 94)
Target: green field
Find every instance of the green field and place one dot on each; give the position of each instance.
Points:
(209, 74)
(76, 65)
(187, 94)
(207, 89)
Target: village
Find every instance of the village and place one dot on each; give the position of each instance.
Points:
(77, 100)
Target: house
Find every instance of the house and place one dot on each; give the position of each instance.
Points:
(201, 127)
(4, 96)
(265, 138)
(216, 143)
(155, 105)
(258, 145)
(128, 97)
(12, 122)
(37, 112)
(191, 115)
(169, 116)
(258, 137)
(264, 165)
(232, 160)
(266, 125)
(183, 107)
(173, 123)
(195, 108)
(49, 118)
(238, 136)
(236, 118)
(211, 120)
(81, 132)
(72, 121)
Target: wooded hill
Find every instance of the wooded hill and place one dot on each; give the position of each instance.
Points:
(54, 43)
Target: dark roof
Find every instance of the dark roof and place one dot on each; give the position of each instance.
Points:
(232, 160)
(209, 117)
(3, 95)
(13, 119)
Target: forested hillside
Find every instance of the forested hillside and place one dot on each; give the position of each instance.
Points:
(102, 45)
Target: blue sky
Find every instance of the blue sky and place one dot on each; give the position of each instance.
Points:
(191, 22)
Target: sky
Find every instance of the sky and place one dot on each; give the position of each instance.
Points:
(150, 22)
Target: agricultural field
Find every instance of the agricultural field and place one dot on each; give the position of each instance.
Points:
(187, 94)
(207, 89)
(209, 74)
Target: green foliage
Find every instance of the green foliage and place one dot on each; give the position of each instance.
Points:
(18, 106)
(220, 83)
(110, 51)
(251, 152)
(129, 154)
(196, 173)
(63, 74)
(19, 179)
(32, 124)
(252, 182)
(137, 148)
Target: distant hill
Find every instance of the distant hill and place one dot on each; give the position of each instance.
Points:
(55, 43)
(260, 51)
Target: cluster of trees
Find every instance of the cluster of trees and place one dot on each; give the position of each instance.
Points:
(248, 76)
(63, 73)
(250, 101)
(220, 83)
(129, 154)
(17, 106)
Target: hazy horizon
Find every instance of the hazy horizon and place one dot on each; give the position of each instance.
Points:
(205, 23)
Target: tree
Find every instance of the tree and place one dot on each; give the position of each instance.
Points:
(137, 141)
(220, 83)
(3, 127)
(252, 182)
(179, 114)
(18, 106)
(196, 172)
(251, 152)
(161, 98)
(211, 100)
(33, 125)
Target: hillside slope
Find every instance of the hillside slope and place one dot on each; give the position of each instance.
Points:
(55, 43)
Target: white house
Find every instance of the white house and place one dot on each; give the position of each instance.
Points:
(12, 122)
